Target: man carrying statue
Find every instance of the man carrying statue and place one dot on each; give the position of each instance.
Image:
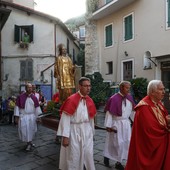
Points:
(64, 72)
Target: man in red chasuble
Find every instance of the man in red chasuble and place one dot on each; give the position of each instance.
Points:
(150, 141)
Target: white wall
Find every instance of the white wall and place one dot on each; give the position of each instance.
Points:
(41, 51)
(150, 35)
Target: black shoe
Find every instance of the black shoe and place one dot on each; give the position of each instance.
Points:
(119, 166)
(106, 162)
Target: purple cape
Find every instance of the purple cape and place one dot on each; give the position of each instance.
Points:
(114, 104)
(21, 99)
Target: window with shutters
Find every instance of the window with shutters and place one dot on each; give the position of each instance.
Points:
(108, 35)
(26, 70)
(128, 27)
(168, 14)
(21, 30)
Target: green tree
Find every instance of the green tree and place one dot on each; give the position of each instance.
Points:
(81, 58)
(100, 90)
(139, 88)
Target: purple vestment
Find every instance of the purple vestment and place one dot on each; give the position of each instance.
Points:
(21, 99)
(114, 104)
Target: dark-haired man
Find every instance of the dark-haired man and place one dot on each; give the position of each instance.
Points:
(77, 129)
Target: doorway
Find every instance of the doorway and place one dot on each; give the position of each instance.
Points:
(165, 67)
(127, 70)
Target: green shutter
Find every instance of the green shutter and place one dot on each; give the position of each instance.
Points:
(128, 28)
(16, 33)
(31, 33)
(168, 1)
(108, 35)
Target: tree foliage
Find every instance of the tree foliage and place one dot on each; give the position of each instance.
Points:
(74, 23)
(81, 59)
(100, 90)
(139, 88)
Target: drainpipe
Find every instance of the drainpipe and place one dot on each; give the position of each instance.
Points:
(51, 84)
(55, 52)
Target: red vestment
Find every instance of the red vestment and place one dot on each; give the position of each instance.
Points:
(149, 147)
(71, 104)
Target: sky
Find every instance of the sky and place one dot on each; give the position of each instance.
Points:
(62, 9)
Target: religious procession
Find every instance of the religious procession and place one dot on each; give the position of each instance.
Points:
(75, 123)
(89, 93)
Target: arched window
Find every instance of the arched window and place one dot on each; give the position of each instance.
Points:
(147, 64)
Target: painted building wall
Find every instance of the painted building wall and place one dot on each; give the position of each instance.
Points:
(41, 50)
(150, 34)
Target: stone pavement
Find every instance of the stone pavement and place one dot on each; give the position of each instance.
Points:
(45, 156)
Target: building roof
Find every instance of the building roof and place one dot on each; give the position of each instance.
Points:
(4, 14)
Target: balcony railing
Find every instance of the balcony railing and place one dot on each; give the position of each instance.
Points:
(105, 8)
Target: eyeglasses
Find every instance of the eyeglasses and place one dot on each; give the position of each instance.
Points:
(86, 85)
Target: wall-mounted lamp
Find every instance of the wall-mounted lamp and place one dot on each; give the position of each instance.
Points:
(126, 54)
(152, 61)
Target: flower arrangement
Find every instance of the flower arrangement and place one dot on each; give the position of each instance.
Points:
(52, 107)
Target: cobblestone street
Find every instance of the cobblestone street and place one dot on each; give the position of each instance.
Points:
(45, 156)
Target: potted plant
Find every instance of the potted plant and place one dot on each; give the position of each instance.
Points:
(50, 117)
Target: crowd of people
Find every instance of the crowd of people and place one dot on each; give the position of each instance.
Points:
(148, 147)
(7, 110)
(8, 105)
(143, 145)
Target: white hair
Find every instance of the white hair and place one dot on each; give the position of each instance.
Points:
(153, 86)
(122, 83)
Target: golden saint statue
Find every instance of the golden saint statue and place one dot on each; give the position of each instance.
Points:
(64, 74)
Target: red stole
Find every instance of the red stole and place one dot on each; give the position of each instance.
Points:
(71, 104)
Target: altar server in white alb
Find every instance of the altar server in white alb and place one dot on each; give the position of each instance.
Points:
(119, 108)
(26, 112)
(77, 129)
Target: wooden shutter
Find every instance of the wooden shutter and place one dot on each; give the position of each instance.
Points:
(29, 70)
(128, 28)
(108, 35)
(22, 70)
(26, 70)
(31, 31)
(16, 33)
(168, 3)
